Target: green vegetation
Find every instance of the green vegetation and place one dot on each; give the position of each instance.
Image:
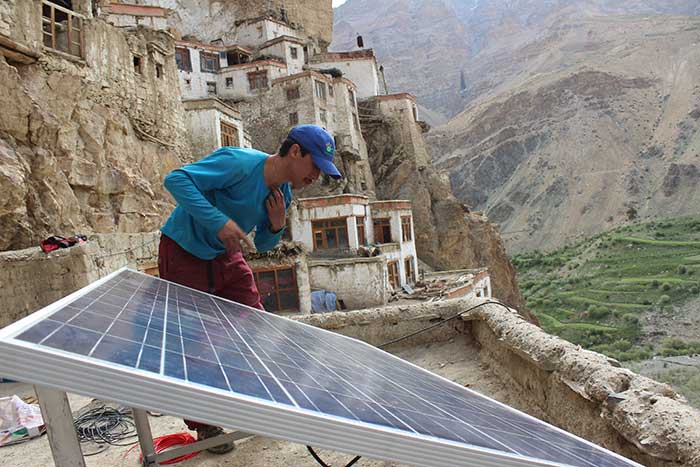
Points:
(594, 293)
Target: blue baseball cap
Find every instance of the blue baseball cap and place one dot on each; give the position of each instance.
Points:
(320, 144)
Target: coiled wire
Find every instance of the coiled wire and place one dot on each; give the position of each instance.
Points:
(105, 426)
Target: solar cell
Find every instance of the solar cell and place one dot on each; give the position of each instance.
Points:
(169, 348)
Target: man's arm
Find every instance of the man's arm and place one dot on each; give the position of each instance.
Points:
(188, 184)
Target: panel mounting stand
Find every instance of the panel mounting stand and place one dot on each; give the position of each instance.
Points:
(151, 459)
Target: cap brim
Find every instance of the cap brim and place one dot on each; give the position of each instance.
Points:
(327, 168)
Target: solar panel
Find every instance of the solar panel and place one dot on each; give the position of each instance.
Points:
(152, 344)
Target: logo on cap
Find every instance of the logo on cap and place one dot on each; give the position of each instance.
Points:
(329, 148)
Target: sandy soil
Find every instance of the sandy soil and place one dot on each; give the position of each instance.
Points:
(456, 360)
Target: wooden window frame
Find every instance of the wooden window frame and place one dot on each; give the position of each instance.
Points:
(293, 93)
(205, 57)
(228, 81)
(316, 228)
(392, 268)
(381, 222)
(294, 118)
(211, 84)
(74, 31)
(258, 80)
(361, 234)
(293, 52)
(408, 267)
(277, 290)
(229, 134)
(406, 228)
(320, 90)
(184, 62)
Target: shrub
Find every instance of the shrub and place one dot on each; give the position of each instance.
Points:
(665, 286)
(682, 269)
(630, 318)
(655, 284)
(664, 299)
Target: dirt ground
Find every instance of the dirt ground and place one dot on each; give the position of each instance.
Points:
(456, 360)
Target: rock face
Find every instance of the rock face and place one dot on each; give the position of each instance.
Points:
(448, 236)
(85, 144)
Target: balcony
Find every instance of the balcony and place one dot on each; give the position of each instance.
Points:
(62, 29)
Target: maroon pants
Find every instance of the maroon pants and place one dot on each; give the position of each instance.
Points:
(227, 276)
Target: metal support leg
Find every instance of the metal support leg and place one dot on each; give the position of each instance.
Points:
(143, 429)
(58, 418)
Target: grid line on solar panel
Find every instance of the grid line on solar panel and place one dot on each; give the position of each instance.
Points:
(183, 334)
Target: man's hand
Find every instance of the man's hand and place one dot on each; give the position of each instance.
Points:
(276, 209)
(231, 236)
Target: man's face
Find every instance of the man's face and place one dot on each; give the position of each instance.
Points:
(304, 171)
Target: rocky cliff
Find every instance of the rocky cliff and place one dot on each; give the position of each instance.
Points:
(448, 235)
(85, 143)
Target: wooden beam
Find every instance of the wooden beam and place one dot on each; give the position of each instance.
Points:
(63, 439)
(16, 52)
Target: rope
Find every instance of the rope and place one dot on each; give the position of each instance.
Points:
(176, 439)
(105, 427)
(408, 336)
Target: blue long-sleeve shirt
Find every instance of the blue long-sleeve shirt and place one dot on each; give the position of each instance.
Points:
(227, 184)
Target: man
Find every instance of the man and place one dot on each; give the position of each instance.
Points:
(222, 198)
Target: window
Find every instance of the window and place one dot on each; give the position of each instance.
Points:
(209, 62)
(330, 90)
(62, 29)
(294, 118)
(260, 31)
(159, 70)
(320, 89)
(211, 88)
(330, 234)
(229, 82)
(406, 234)
(410, 273)
(323, 115)
(294, 52)
(382, 230)
(182, 58)
(293, 93)
(229, 135)
(278, 289)
(393, 268)
(234, 57)
(137, 64)
(257, 80)
(361, 237)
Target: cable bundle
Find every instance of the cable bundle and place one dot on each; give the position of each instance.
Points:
(176, 439)
(106, 427)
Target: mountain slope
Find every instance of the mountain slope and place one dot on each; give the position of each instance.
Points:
(603, 124)
(426, 44)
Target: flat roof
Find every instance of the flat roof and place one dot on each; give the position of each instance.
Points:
(137, 10)
(391, 204)
(333, 200)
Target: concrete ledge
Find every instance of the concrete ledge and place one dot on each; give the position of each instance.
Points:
(581, 391)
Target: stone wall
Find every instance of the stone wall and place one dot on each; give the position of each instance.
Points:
(33, 279)
(581, 391)
(447, 235)
(85, 143)
(359, 282)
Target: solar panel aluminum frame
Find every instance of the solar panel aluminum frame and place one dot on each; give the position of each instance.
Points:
(141, 389)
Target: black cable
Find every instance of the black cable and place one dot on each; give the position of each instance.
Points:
(456, 315)
(323, 464)
(105, 427)
(386, 344)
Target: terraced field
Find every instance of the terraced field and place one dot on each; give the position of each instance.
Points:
(599, 293)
